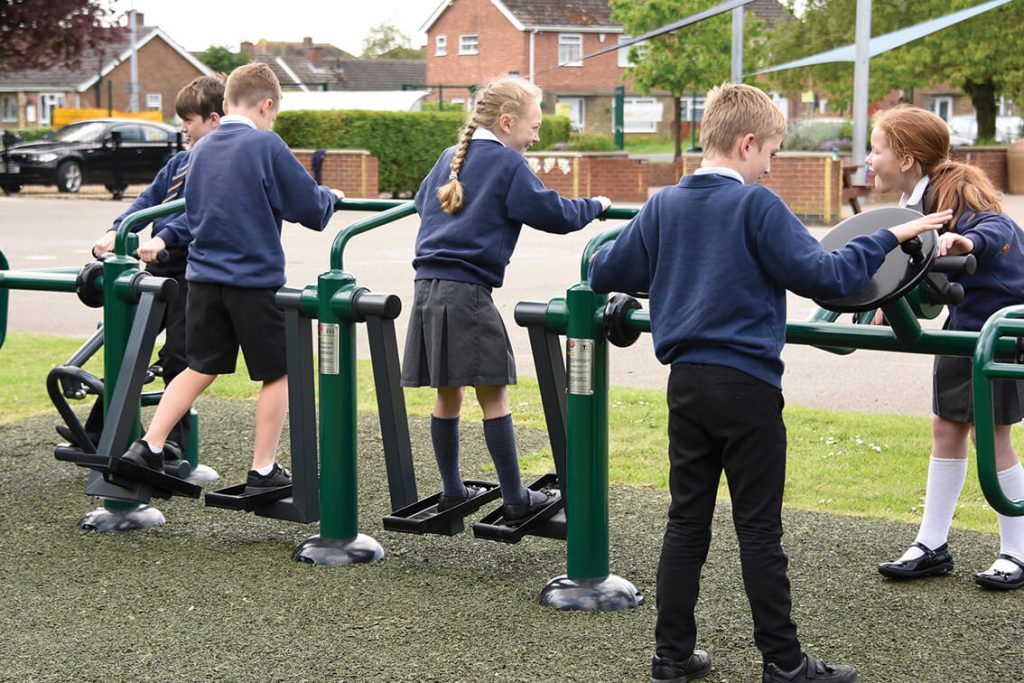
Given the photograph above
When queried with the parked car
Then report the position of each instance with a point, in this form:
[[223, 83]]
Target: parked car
[[90, 152]]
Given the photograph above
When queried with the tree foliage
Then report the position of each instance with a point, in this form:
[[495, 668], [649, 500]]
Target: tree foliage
[[221, 59], [697, 57], [385, 41], [980, 56], [39, 35]]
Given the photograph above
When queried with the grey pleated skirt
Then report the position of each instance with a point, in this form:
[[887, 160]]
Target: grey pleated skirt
[[456, 338], [952, 396]]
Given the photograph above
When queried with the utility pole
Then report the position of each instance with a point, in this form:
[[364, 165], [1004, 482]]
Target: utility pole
[[860, 87], [737, 45]]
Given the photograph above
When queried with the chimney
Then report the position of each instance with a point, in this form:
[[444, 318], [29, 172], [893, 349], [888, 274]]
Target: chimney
[[247, 48], [315, 55], [307, 42]]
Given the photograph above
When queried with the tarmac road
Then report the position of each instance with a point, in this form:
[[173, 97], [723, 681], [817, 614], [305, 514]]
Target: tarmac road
[[41, 232]]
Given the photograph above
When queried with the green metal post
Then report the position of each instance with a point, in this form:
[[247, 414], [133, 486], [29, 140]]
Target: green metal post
[[619, 117]]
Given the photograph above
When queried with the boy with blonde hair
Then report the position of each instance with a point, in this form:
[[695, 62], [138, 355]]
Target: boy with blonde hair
[[242, 182], [717, 254]]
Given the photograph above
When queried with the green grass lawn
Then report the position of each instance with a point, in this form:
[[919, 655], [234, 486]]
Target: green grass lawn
[[848, 463]]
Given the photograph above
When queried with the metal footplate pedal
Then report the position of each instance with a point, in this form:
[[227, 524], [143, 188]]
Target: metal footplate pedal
[[422, 516], [235, 497], [164, 485], [543, 522]]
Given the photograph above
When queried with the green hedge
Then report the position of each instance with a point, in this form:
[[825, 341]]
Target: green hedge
[[406, 144]]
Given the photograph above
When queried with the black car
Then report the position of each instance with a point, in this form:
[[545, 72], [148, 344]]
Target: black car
[[114, 152]]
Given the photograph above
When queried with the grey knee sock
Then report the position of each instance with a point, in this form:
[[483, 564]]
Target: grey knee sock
[[444, 434], [500, 435]]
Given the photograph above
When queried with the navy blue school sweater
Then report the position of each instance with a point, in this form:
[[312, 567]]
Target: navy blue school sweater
[[241, 184], [501, 193], [717, 257], [999, 279], [169, 184]]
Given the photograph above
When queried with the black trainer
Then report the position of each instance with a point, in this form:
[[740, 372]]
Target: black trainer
[[140, 455], [931, 563], [697, 665], [278, 477], [513, 513], [448, 502], [810, 669]]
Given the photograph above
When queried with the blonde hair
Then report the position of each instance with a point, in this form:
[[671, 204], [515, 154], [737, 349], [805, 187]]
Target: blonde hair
[[506, 95], [250, 84], [924, 137], [733, 110]]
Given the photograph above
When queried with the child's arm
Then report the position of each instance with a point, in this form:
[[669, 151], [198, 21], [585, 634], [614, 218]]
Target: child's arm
[[294, 195], [987, 237], [530, 203], [153, 195], [625, 264]]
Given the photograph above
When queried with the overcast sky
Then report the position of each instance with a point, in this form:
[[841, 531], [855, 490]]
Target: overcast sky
[[198, 24]]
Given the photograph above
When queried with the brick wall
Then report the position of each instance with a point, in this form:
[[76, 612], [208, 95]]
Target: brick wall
[[575, 174], [992, 160], [353, 171], [161, 70]]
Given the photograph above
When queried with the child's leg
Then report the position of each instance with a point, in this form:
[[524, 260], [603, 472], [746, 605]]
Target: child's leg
[[1011, 479], [444, 435], [271, 408], [500, 435], [177, 399], [947, 472]]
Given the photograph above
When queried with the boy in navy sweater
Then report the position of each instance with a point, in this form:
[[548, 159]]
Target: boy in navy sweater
[[717, 254], [200, 106], [242, 182]]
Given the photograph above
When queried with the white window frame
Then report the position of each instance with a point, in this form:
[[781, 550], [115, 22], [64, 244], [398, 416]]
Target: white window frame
[[566, 42], [154, 101], [469, 44], [440, 45], [936, 106], [686, 101], [48, 101], [622, 55], [628, 126], [4, 99]]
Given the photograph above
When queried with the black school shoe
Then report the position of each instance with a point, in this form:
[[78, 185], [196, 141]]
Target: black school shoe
[[276, 478], [810, 669], [1000, 580], [932, 563], [697, 665], [513, 513], [448, 502], [139, 454]]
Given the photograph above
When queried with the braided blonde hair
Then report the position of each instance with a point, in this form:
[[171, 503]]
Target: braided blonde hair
[[506, 95]]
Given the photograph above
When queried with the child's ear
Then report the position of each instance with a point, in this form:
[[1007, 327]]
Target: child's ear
[[746, 144], [505, 122], [907, 163]]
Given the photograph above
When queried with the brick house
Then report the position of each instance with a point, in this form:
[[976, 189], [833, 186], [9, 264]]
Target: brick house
[[470, 41], [309, 66], [101, 78]]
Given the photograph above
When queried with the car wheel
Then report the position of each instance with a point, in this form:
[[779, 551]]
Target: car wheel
[[12, 188], [69, 176]]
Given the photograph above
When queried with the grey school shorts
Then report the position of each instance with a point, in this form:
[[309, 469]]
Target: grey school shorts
[[456, 338], [952, 397]]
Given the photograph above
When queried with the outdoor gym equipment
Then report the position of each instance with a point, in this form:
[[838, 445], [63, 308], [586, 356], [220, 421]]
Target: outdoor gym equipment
[[911, 282], [133, 303]]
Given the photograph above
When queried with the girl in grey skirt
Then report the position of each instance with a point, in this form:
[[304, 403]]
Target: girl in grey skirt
[[472, 207], [909, 152]]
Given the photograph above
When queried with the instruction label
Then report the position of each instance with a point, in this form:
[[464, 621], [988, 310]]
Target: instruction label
[[329, 335], [580, 361]]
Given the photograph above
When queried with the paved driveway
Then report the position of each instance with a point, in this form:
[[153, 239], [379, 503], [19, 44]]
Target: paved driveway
[[41, 232]]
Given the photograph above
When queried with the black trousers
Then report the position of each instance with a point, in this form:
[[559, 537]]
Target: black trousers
[[721, 419]]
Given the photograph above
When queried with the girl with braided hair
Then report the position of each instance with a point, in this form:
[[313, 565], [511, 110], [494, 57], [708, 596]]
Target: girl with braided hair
[[910, 153], [472, 207]]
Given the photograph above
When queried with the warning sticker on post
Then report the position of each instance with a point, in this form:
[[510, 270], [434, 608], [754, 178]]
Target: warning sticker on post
[[580, 362], [328, 334]]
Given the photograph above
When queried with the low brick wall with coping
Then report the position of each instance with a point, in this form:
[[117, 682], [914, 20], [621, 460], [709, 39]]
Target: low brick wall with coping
[[353, 171]]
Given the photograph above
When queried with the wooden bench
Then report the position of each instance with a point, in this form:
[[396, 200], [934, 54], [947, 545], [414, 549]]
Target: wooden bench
[[853, 191]]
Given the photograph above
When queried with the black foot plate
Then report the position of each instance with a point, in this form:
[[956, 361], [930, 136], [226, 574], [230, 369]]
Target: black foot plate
[[422, 516], [493, 526], [235, 497], [164, 486]]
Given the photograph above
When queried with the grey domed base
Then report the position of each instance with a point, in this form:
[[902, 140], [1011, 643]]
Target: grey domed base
[[358, 550], [610, 594], [121, 519]]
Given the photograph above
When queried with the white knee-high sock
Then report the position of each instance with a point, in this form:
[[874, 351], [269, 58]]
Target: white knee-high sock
[[1011, 529], [946, 478]]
